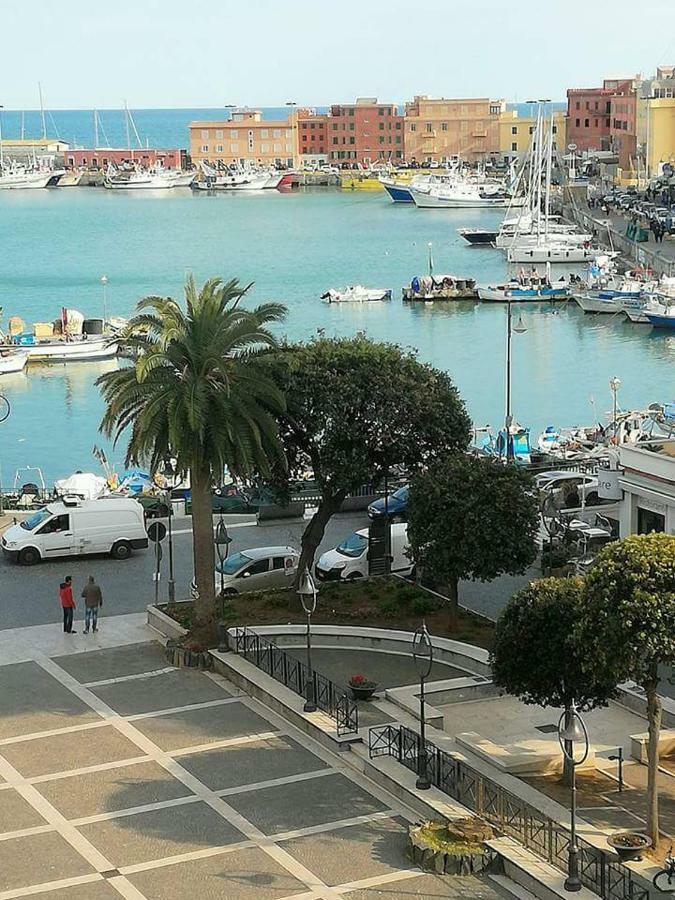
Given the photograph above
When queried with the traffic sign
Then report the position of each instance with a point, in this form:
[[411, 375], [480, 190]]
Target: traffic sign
[[157, 532]]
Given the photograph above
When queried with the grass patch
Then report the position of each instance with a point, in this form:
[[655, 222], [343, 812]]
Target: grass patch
[[383, 602]]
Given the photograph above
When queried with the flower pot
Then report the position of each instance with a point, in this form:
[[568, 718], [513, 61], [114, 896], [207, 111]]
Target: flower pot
[[363, 693], [628, 845]]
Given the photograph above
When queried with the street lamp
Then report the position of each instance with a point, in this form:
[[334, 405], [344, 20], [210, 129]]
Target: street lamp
[[307, 592], [169, 473], [571, 731], [104, 282], [423, 657], [614, 385], [222, 540], [518, 328]]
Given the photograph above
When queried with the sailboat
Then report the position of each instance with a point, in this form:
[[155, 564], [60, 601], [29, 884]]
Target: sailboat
[[15, 175]]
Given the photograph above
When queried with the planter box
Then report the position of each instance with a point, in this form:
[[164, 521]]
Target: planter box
[[165, 624], [185, 658]]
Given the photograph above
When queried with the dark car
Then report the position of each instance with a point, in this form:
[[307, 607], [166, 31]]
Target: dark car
[[397, 504]]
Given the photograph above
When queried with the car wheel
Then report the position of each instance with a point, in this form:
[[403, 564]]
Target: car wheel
[[121, 550], [229, 592], [353, 576], [29, 556]]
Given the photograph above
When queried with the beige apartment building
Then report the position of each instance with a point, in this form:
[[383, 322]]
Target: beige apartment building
[[515, 133], [246, 138], [439, 129]]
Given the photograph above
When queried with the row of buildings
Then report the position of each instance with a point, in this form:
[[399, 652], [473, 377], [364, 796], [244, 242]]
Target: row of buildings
[[631, 119], [367, 132]]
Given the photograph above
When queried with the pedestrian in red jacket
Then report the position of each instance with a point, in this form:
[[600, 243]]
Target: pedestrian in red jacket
[[68, 604]]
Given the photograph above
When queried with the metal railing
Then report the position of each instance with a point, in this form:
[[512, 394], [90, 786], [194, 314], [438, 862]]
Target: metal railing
[[509, 814], [294, 674]]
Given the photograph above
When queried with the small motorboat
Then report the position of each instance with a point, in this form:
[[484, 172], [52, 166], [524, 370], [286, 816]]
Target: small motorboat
[[478, 237], [518, 292], [356, 294], [12, 360]]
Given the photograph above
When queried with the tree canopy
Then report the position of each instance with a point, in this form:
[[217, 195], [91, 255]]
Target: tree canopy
[[357, 408], [536, 654], [472, 518]]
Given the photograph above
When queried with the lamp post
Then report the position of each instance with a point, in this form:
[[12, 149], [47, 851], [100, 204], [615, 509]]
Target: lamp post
[[307, 592], [518, 328], [222, 540], [104, 282], [614, 385], [571, 731], [423, 657], [170, 473]]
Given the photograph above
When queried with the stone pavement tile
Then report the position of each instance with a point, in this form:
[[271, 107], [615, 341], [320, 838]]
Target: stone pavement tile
[[305, 803], [114, 662], [16, 813], [129, 840], [430, 886], [202, 726], [264, 760], [612, 818], [241, 875], [353, 853], [111, 790], [177, 688], [93, 890], [38, 859], [75, 750], [31, 700]]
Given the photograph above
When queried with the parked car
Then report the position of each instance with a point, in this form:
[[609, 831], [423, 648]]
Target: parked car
[[397, 504], [258, 569], [349, 560], [71, 527], [572, 487]]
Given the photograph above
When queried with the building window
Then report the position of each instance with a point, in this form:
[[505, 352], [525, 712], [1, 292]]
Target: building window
[[381, 126], [335, 140], [335, 128], [587, 123], [219, 148], [204, 133], [381, 140], [350, 111], [555, 129], [277, 148], [398, 138], [577, 122], [429, 127], [205, 149], [313, 125], [413, 126], [234, 134], [531, 129], [289, 132], [352, 126], [595, 122], [380, 111], [84, 160], [514, 129], [514, 146], [234, 148], [289, 148], [577, 105], [264, 134], [276, 132], [495, 110], [398, 126], [444, 126], [219, 134], [353, 140]]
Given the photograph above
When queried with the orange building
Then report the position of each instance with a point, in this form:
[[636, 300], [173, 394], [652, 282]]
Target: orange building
[[246, 138], [439, 129], [312, 134], [364, 132]]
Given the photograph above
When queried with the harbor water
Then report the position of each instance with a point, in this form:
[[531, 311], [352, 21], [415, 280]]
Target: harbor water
[[56, 244]]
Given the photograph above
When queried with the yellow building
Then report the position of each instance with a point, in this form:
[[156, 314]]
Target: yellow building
[[440, 129], [659, 134], [246, 138], [515, 133]]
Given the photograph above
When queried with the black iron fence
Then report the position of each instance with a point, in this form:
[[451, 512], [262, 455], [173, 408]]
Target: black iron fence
[[507, 812], [294, 674]]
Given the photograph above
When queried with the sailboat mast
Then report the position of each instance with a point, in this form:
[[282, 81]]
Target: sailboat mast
[[2, 155], [23, 125], [549, 165], [540, 167], [126, 119], [95, 130], [42, 113]]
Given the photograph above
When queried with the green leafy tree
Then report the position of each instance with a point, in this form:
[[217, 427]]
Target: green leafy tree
[[472, 517], [537, 655], [629, 628], [198, 391], [357, 409]]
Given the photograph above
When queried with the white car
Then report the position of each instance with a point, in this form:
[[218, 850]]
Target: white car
[[349, 560], [560, 482], [259, 569]]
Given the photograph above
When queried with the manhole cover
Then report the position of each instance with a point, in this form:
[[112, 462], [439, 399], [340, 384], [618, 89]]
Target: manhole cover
[[546, 729]]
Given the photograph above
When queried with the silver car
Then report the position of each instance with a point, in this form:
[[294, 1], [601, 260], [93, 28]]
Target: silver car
[[259, 569]]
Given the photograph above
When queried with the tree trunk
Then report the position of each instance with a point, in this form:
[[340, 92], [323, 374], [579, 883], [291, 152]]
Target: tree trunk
[[654, 716], [315, 530], [203, 551]]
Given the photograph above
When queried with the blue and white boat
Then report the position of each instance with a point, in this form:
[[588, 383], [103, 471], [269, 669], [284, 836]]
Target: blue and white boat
[[515, 292], [660, 313], [397, 190]]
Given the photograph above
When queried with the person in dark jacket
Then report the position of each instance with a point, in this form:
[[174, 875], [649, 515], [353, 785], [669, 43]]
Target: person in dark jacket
[[67, 603], [93, 599]]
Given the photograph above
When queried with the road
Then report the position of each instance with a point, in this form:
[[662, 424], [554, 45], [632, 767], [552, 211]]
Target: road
[[29, 596]]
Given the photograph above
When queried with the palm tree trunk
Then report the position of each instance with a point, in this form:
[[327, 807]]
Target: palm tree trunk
[[203, 550], [315, 530], [654, 717]]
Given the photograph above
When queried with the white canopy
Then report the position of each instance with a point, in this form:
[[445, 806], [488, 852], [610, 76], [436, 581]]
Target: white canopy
[[82, 484]]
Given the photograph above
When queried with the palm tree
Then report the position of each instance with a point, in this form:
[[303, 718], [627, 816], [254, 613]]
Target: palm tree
[[198, 392]]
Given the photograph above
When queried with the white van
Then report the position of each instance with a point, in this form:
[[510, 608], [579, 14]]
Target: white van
[[349, 560], [72, 527]]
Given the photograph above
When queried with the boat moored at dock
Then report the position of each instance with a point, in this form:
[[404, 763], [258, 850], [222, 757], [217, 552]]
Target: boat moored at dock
[[518, 292], [356, 293], [427, 288], [12, 360]]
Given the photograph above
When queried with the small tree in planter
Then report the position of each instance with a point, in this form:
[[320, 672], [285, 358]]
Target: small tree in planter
[[628, 628]]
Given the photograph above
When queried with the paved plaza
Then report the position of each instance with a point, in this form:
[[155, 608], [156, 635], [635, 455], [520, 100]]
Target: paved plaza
[[120, 776]]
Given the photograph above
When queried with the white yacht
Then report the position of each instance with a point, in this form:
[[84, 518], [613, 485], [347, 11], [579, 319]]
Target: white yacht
[[154, 178], [465, 195], [16, 176]]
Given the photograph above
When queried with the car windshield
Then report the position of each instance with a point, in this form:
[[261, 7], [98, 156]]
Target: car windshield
[[32, 522], [354, 545], [233, 563], [401, 493]]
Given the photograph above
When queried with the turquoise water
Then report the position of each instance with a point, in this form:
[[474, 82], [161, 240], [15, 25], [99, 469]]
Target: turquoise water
[[55, 245]]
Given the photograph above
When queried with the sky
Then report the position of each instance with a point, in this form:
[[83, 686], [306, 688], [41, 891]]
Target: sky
[[268, 52]]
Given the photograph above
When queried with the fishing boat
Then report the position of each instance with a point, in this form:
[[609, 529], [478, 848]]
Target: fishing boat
[[518, 292], [356, 294], [82, 349], [71, 338], [237, 179], [154, 178], [428, 288], [12, 360], [15, 176], [466, 195], [660, 313]]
